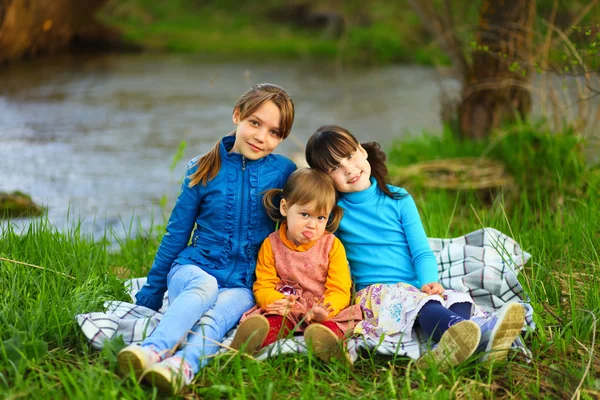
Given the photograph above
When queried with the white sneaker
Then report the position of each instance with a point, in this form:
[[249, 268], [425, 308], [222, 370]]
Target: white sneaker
[[456, 345], [137, 358], [169, 376], [500, 331]]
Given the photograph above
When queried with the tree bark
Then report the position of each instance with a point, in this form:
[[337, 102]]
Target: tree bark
[[496, 85], [31, 27]]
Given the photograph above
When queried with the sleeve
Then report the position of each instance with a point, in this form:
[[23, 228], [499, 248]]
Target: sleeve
[[338, 283], [266, 277], [178, 231], [422, 256]]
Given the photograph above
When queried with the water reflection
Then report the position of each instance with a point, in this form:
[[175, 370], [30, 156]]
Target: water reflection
[[95, 136]]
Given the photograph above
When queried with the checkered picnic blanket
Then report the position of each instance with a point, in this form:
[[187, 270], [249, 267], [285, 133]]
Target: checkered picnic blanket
[[484, 263]]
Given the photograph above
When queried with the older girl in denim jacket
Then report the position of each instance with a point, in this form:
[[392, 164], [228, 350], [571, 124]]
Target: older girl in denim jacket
[[210, 277]]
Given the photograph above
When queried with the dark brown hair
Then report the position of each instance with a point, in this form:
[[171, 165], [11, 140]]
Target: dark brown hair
[[330, 143], [305, 186], [210, 163]]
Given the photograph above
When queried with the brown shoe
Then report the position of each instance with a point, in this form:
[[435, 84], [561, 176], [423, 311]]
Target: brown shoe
[[252, 332], [325, 343]]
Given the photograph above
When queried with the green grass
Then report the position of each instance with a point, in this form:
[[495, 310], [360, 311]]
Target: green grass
[[552, 211], [235, 31]]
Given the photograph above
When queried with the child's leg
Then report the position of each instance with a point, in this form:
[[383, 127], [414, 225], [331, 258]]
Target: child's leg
[[435, 319], [191, 293], [463, 310], [334, 328], [205, 338], [172, 374], [278, 327]]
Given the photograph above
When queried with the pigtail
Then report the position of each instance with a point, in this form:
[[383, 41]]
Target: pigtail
[[334, 219], [271, 201], [209, 165], [377, 159]]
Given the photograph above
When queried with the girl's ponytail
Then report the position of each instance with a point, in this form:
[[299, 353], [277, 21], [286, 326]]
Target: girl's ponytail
[[208, 166], [334, 219], [271, 200]]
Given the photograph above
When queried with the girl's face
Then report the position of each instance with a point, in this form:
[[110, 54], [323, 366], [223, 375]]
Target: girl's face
[[258, 134], [304, 223], [352, 173]]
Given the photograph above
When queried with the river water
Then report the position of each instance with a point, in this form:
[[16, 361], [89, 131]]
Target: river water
[[93, 137]]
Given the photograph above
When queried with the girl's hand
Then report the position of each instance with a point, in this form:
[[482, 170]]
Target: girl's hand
[[319, 311], [282, 306], [432, 288]]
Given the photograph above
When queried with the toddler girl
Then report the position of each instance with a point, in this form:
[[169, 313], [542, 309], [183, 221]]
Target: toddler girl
[[302, 276]]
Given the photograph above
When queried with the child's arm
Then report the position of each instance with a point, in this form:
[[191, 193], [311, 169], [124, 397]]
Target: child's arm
[[266, 277], [180, 226], [338, 283], [422, 256]]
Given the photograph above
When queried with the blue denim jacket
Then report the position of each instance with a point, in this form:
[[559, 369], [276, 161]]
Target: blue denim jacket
[[227, 218]]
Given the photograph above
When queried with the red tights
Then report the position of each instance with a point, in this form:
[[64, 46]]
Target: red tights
[[278, 327]]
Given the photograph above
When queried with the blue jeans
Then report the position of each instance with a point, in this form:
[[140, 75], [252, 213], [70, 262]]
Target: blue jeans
[[195, 296]]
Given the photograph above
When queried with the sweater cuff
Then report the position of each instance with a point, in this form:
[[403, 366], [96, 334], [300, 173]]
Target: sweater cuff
[[152, 303]]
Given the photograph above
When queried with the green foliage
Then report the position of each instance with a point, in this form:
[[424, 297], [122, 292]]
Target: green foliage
[[555, 217]]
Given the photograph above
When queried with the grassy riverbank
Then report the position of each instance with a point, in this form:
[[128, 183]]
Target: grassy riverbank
[[256, 30], [354, 32], [552, 210]]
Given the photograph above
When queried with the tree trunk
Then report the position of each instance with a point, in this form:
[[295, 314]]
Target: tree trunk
[[495, 87], [31, 27]]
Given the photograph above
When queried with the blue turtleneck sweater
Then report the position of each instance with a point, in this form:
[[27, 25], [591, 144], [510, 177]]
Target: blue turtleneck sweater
[[384, 239]]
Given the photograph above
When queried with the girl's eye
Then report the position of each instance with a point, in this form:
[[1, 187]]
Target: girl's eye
[[322, 218], [333, 169], [350, 156], [305, 215], [254, 123], [275, 133]]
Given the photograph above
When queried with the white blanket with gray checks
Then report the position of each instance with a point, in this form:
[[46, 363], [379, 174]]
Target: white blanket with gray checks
[[484, 263]]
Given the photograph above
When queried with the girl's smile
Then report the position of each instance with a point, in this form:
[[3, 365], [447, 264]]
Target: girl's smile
[[353, 172], [259, 134], [357, 177]]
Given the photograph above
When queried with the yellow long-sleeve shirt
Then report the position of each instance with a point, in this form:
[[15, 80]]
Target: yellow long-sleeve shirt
[[337, 285]]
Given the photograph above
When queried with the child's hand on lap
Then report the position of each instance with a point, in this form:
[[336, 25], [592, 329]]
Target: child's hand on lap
[[319, 311], [432, 288], [281, 307]]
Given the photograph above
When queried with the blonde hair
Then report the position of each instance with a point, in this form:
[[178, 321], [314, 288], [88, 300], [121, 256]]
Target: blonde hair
[[210, 163], [306, 186]]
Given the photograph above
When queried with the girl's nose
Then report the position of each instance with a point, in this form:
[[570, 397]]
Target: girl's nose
[[260, 135]]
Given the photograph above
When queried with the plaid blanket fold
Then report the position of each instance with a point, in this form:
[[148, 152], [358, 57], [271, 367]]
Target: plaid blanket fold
[[484, 263]]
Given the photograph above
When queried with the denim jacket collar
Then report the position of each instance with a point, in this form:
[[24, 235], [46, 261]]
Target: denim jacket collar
[[235, 158]]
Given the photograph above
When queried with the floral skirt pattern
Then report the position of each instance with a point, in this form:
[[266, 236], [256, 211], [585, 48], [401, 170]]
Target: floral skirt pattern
[[390, 310]]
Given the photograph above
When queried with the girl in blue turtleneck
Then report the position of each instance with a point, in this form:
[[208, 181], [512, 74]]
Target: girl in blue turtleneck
[[391, 262]]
